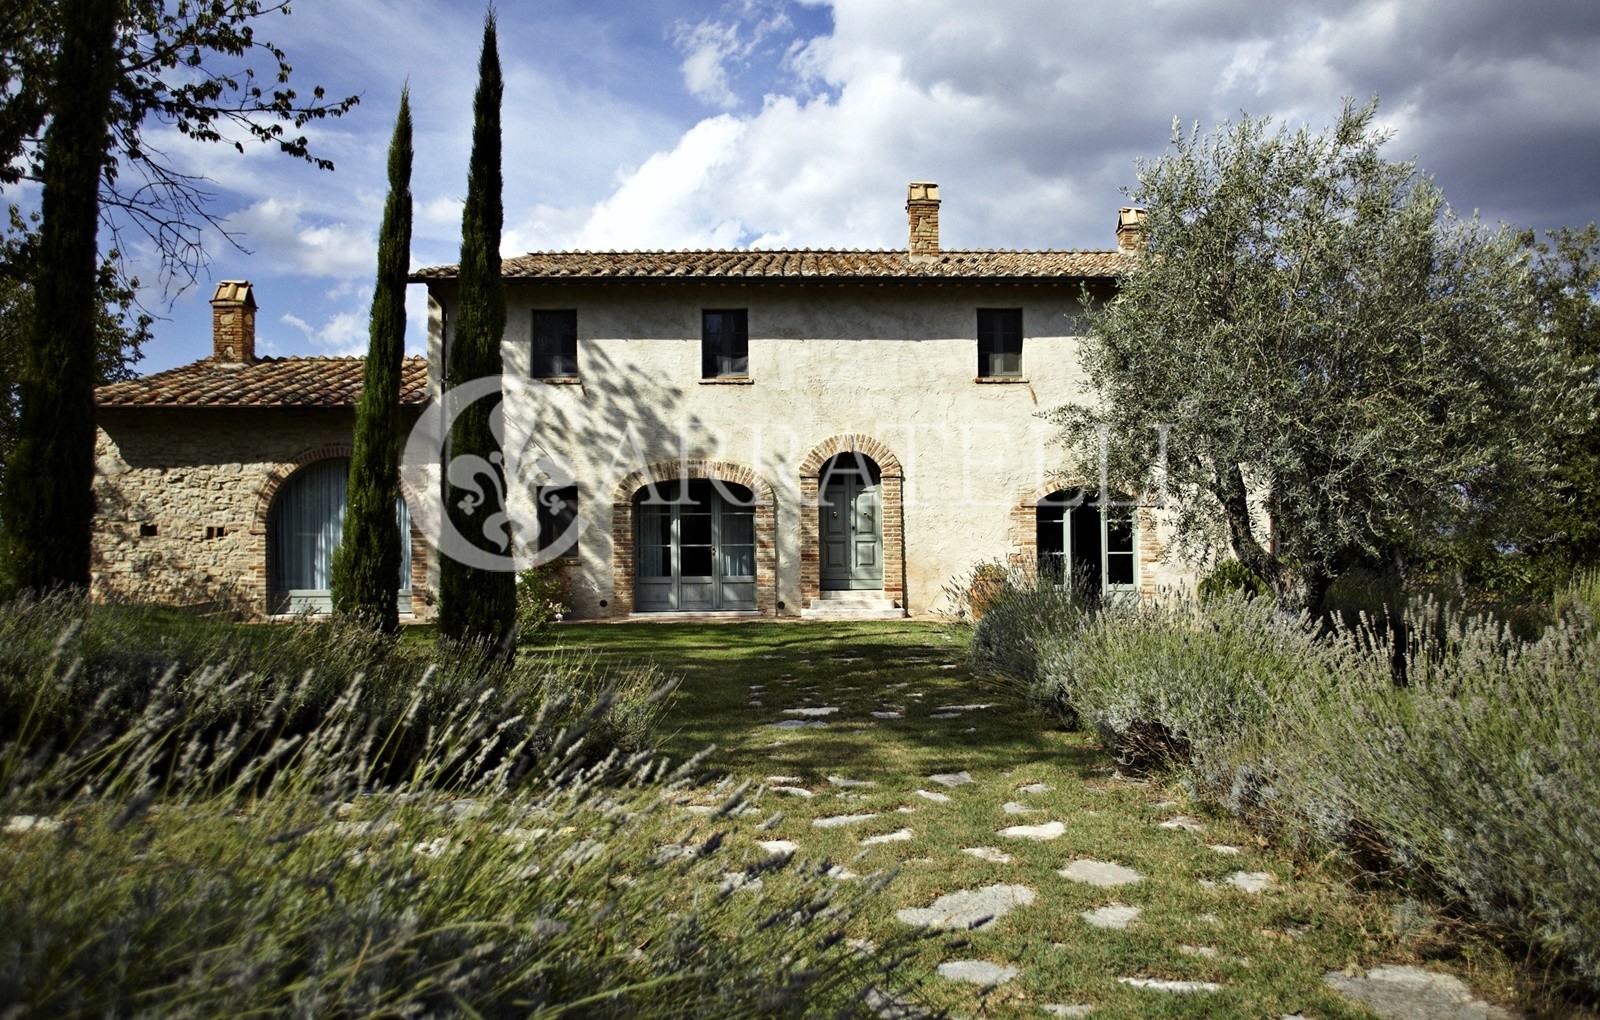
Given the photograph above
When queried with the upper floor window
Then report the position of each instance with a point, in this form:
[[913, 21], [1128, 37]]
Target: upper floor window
[[724, 342], [999, 343], [555, 344], [556, 510]]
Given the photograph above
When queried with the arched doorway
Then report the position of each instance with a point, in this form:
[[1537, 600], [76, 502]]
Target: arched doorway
[[1087, 546], [695, 547], [304, 528], [850, 523]]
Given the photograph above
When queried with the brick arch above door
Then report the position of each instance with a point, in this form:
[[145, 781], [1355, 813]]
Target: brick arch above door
[[662, 472], [892, 477]]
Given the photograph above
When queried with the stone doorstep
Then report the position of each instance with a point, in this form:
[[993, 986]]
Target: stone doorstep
[[852, 605], [852, 613]]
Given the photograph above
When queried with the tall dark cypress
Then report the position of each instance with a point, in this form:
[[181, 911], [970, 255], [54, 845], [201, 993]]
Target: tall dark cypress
[[366, 568], [49, 493], [476, 603]]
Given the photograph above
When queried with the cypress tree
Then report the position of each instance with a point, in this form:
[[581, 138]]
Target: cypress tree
[[475, 603], [366, 567], [49, 493]]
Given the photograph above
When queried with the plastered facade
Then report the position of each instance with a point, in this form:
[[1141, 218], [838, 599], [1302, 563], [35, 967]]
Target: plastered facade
[[888, 368]]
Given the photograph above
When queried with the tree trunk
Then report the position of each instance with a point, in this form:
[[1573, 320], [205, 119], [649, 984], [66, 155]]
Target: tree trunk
[[48, 518], [1261, 561]]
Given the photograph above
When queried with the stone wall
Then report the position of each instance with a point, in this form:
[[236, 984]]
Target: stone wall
[[183, 497]]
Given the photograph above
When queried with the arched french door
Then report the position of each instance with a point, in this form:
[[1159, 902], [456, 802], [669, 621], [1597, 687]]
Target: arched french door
[[1086, 546], [695, 547], [304, 528], [850, 523]]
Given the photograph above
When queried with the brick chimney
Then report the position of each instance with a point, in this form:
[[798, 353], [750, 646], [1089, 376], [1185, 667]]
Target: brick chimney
[[233, 323], [1130, 228], [922, 208]]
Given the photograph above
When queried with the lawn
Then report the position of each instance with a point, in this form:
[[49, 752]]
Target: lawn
[[872, 711]]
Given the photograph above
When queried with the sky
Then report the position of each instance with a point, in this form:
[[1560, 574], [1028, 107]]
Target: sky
[[798, 123]]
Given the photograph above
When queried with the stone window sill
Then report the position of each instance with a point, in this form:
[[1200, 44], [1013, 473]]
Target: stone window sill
[[729, 380], [1000, 380], [559, 380]]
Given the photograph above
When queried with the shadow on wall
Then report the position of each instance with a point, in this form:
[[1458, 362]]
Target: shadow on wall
[[131, 566]]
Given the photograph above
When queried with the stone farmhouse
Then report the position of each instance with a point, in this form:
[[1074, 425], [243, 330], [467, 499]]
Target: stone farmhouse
[[763, 433]]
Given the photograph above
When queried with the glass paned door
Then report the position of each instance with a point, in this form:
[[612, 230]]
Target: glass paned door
[[695, 548]]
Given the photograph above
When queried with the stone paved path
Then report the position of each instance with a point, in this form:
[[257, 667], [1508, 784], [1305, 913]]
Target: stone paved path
[[1075, 890]]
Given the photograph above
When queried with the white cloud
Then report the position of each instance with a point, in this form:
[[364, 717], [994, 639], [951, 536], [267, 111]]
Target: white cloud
[[344, 333], [327, 249], [1031, 115], [707, 48]]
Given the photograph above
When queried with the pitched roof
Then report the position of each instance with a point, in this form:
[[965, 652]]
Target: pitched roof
[[267, 382], [802, 264]]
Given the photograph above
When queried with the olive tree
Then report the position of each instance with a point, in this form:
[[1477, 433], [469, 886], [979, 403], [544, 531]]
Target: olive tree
[[1332, 368]]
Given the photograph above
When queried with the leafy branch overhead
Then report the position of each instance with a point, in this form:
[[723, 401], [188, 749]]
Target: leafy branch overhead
[[192, 67]]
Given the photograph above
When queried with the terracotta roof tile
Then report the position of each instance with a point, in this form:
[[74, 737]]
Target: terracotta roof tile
[[267, 382], [801, 264]]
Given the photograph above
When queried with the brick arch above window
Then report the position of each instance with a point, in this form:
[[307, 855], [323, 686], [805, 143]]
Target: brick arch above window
[[280, 475], [663, 472]]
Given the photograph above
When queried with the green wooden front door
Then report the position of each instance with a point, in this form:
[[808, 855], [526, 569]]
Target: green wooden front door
[[851, 529]]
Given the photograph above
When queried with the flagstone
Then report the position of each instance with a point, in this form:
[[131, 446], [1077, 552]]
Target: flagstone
[[1011, 807], [1250, 881], [987, 853], [835, 821], [977, 972], [1175, 987], [1099, 873], [1411, 993], [1111, 917], [968, 908], [899, 836], [953, 779], [937, 798], [1049, 830], [1185, 823], [841, 781], [779, 846]]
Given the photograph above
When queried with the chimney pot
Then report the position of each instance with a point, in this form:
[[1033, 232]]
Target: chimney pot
[[922, 209], [233, 323], [1130, 228]]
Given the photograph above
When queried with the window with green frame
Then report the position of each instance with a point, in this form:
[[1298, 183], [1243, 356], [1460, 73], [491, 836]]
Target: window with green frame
[[1087, 546]]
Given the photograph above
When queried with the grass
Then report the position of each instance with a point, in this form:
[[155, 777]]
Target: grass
[[217, 838], [1269, 951]]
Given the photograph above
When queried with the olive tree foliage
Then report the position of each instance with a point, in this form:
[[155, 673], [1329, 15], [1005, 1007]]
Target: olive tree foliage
[[1313, 339], [1567, 287], [183, 67]]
